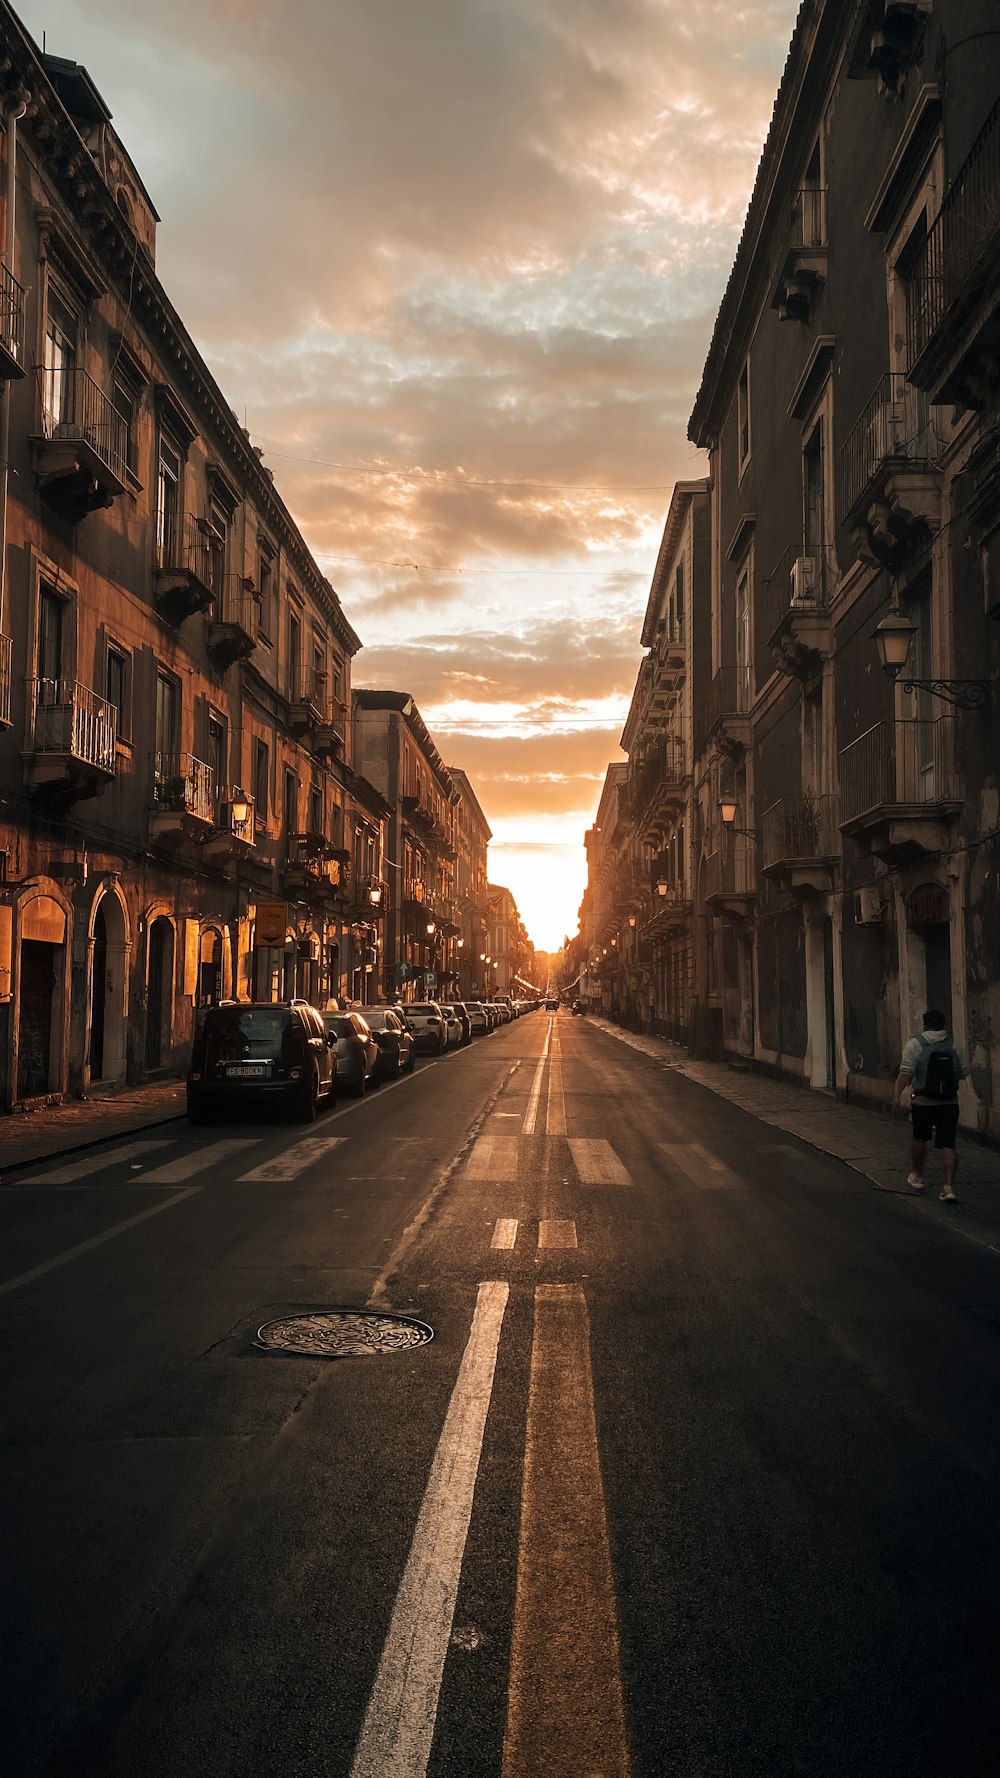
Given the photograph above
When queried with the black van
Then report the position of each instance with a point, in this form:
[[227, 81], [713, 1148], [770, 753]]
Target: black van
[[246, 1053]]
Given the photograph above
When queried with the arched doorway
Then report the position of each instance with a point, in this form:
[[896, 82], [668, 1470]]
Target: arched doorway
[[210, 969], [98, 994], [159, 991], [40, 992], [108, 989]]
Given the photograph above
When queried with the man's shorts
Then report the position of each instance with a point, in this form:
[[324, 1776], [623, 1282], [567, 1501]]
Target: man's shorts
[[939, 1121]]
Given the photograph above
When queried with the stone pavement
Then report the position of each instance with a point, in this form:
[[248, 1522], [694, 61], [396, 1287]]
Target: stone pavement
[[874, 1144], [27, 1136]]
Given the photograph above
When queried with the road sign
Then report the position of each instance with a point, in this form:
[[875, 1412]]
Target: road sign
[[403, 971], [272, 922], [431, 981]]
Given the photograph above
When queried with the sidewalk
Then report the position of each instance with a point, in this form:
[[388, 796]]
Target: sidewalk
[[876, 1146], [27, 1136]]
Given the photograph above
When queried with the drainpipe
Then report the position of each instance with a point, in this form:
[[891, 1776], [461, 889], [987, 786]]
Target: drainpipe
[[16, 109]]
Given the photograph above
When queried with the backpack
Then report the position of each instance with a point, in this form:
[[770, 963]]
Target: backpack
[[940, 1080]]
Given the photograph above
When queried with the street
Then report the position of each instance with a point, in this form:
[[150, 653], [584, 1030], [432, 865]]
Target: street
[[696, 1479]]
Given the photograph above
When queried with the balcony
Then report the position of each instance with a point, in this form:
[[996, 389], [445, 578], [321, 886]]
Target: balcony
[[81, 455], [184, 575], [801, 845], [423, 820], [5, 681], [415, 894], [184, 799], [371, 897], [890, 493], [794, 609], [71, 751], [668, 666], [308, 703], [953, 290], [233, 838], [725, 715], [11, 327], [729, 876], [898, 794], [669, 913], [311, 870], [232, 629], [803, 270], [658, 789]]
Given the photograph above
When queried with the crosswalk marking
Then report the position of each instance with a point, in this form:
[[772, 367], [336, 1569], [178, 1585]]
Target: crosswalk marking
[[198, 1160], [504, 1232], [92, 1163], [557, 1233], [283, 1167], [493, 1157], [701, 1166], [596, 1161]]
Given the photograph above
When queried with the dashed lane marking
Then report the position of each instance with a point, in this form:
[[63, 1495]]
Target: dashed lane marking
[[557, 1233], [493, 1157], [398, 1728], [294, 1161], [596, 1162], [504, 1232], [531, 1115], [555, 1108], [71, 1253]]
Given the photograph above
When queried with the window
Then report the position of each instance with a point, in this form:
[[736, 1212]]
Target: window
[[218, 547], [679, 601], [812, 203], [167, 720], [124, 402], [261, 780], [168, 501], [218, 752], [60, 360], [743, 674], [265, 595], [291, 803], [116, 688], [51, 633], [743, 416], [315, 809], [814, 492], [294, 648]]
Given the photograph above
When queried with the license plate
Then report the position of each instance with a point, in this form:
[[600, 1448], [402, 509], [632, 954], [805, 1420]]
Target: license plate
[[246, 1071]]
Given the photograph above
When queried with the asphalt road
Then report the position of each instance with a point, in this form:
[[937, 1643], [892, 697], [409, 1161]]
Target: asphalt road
[[698, 1477]]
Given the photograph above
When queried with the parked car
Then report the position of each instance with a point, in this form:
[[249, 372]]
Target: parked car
[[578, 1008], [478, 1020], [426, 1021], [502, 1012], [462, 1013], [453, 1025], [395, 1042], [249, 1053], [355, 1050]]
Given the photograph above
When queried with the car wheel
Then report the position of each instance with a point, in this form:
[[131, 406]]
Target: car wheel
[[411, 1064], [308, 1103], [361, 1084]]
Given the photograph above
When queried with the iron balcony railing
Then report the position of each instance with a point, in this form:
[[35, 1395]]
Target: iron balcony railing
[[235, 603], [664, 764], [896, 763], [11, 315], [894, 431], [414, 889], [5, 679], [69, 718], [73, 407], [728, 694], [311, 689], [957, 241], [809, 216], [185, 785], [189, 547], [730, 867], [799, 827], [800, 581]]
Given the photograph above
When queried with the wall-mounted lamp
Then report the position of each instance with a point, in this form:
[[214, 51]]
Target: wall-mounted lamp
[[727, 809], [459, 942], [431, 928], [375, 894], [631, 921], [893, 638], [662, 886], [239, 806]]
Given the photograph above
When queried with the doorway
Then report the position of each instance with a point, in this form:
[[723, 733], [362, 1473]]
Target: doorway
[[158, 991], [98, 995], [34, 1035], [937, 961]]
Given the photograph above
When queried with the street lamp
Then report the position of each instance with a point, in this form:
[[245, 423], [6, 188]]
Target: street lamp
[[375, 894], [662, 886], [431, 928], [893, 638], [727, 809], [239, 806], [631, 920]]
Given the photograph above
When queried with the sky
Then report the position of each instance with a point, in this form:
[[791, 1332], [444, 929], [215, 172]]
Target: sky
[[457, 264]]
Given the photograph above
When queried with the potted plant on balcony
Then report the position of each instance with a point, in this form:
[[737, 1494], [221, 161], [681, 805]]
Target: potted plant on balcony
[[171, 793]]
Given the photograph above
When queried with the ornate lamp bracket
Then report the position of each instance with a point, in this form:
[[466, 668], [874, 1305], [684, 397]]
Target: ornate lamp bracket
[[965, 694]]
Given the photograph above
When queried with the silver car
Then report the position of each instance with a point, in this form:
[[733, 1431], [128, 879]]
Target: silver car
[[426, 1020]]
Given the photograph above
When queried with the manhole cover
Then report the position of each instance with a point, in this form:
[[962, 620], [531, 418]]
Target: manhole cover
[[344, 1333]]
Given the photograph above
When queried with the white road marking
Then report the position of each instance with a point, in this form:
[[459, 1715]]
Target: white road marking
[[528, 1127], [555, 1108], [398, 1729], [596, 1162], [556, 1233], [199, 1160], [493, 1157], [92, 1163], [63, 1259], [294, 1161], [504, 1232], [701, 1166]]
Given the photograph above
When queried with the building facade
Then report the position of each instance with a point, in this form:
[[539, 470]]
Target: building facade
[[472, 837], [177, 822]]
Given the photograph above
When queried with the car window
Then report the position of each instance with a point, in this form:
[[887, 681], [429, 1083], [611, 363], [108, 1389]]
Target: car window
[[362, 1029], [241, 1033], [377, 1021], [341, 1027]]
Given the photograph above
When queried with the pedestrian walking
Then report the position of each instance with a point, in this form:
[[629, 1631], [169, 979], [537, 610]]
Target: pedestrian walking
[[932, 1067]]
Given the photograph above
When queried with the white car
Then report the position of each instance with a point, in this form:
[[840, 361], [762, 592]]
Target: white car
[[452, 1025], [426, 1020]]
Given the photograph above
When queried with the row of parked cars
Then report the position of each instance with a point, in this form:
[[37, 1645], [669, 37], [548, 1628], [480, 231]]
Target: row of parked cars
[[248, 1054]]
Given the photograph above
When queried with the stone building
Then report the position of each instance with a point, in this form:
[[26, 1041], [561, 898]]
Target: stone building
[[176, 817], [472, 837]]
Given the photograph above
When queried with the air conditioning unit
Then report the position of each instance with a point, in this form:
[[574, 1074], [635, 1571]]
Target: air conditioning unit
[[868, 906], [804, 580]]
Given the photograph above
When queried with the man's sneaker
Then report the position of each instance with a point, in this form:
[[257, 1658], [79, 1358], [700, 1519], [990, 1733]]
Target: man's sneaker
[[915, 1180], [948, 1196]]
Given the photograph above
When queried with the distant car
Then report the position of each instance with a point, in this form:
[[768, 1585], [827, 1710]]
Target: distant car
[[395, 1042], [355, 1049], [452, 1025], [460, 1008], [250, 1054], [551, 1005], [478, 1019], [426, 1021]]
